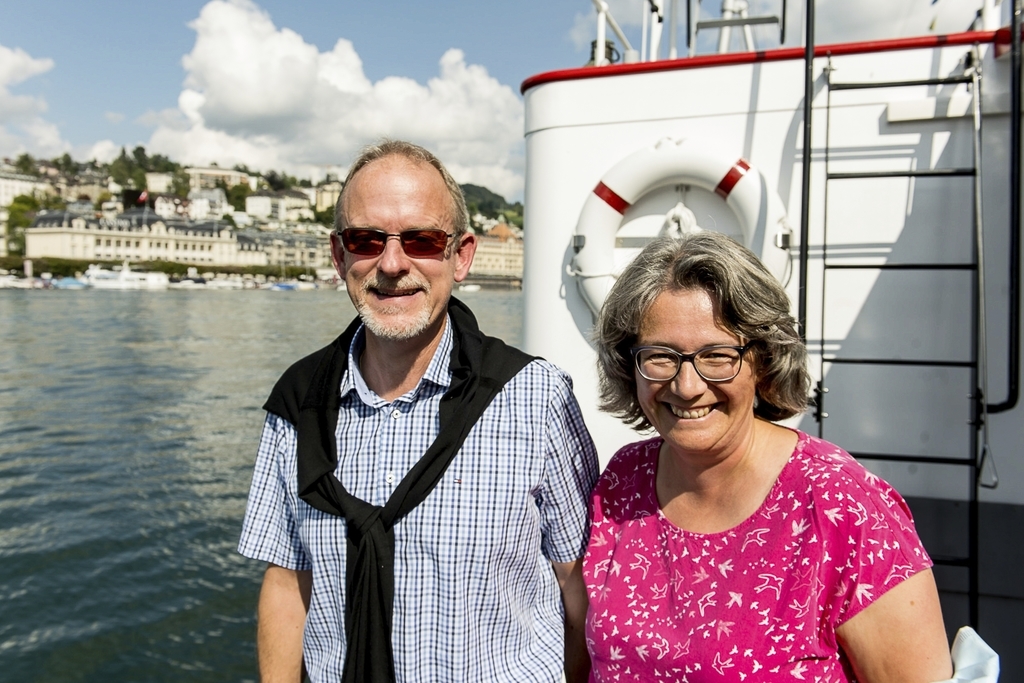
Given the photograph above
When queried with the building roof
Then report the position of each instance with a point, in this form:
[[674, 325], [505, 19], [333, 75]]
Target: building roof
[[8, 175], [502, 232]]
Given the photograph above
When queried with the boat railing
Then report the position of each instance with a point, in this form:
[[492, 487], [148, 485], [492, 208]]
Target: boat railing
[[660, 19], [734, 14], [604, 20]]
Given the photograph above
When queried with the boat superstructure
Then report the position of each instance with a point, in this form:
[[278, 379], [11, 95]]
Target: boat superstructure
[[897, 237]]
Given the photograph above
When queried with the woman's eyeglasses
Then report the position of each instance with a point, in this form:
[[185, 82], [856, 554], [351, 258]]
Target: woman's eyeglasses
[[418, 242], [719, 363]]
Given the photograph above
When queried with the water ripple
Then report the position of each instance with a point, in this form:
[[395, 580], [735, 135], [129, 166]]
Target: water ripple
[[128, 427]]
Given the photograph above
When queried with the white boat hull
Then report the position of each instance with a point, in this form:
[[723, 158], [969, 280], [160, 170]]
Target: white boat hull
[[578, 129]]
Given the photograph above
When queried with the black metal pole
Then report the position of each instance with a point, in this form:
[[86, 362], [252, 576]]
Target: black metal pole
[[1013, 362], [805, 199]]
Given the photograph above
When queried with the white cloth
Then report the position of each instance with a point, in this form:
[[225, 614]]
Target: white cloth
[[973, 660]]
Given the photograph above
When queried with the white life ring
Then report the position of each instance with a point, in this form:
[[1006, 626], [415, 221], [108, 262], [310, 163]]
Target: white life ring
[[760, 212]]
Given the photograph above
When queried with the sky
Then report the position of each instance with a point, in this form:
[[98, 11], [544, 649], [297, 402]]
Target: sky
[[300, 85]]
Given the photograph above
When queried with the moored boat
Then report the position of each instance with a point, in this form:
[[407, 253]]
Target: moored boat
[[68, 283], [125, 278]]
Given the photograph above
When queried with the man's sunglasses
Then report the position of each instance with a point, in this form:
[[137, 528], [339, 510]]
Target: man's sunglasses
[[418, 242]]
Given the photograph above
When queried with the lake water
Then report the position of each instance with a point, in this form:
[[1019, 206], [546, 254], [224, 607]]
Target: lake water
[[128, 429]]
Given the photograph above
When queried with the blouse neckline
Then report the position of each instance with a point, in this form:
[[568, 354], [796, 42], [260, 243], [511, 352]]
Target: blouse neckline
[[651, 455]]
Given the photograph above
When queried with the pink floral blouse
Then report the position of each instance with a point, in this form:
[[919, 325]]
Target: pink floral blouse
[[759, 602]]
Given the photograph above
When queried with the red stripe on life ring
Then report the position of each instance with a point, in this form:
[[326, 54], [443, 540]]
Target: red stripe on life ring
[[610, 198], [738, 170]]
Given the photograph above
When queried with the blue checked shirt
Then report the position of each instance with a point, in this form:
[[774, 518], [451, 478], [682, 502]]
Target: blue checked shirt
[[475, 594]]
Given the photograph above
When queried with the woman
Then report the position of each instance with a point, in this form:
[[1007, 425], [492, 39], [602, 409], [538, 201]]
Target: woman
[[730, 548]]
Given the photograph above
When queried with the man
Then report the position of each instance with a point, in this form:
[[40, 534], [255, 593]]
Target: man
[[420, 489]]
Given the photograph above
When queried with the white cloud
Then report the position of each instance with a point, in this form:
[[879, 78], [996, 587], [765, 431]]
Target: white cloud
[[103, 151], [22, 126], [17, 65], [113, 116], [260, 95]]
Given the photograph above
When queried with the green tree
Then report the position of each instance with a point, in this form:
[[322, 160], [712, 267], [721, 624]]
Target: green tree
[[161, 164], [26, 164], [52, 202], [66, 165], [120, 169], [283, 181], [480, 199], [325, 217], [20, 215], [180, 183], [236, 195], [104, 197], [127, 171], [140, 158]]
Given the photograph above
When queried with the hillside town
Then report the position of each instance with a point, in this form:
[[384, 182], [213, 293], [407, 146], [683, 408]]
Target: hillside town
[[151, 211]]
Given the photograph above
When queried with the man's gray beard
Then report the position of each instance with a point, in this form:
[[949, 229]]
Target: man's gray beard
[[398, 331]]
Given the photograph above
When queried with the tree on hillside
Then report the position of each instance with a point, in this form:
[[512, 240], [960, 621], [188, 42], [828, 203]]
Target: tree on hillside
[[236, 194], [492, 205], [180, 183], [280, 181], [126, 172], [66, 165], [26, 164], [325, 217], [20, 214], [104, 197], [130, 170], [140, 157]]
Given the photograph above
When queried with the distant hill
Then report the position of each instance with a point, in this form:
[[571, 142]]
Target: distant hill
[[480, 199]]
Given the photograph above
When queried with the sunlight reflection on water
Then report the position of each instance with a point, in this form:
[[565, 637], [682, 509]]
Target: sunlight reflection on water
[[128, 428]]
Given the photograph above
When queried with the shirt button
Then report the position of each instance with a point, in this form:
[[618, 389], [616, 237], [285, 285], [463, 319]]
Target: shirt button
[[390, 478], [395, 414]]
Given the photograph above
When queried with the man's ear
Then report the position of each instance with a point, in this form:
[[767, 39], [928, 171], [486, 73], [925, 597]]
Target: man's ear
[[338, 254], [463, 255]]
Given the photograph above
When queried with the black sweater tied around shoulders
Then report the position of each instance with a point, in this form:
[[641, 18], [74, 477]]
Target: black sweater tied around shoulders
[[308, 396]]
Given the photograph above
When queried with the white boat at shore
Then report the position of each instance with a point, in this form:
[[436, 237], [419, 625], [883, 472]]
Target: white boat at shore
[[231, 283], [125, 278], [292, 286], [13, 282]]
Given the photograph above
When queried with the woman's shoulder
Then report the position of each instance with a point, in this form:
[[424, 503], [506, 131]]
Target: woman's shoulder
[[838, 479], [819, 457]]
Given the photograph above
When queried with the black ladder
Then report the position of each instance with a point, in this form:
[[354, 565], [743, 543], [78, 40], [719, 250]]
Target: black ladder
[[972, 462]]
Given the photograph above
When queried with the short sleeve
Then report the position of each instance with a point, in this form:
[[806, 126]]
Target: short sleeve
[[269, 531], [570, 472], [878, 547]]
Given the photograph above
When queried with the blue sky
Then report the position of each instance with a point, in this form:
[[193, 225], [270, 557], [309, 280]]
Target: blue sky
[[125, 57], [300, 86]]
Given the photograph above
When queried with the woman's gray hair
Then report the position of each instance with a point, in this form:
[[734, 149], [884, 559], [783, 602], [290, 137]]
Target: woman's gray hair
[[749, 301], [407, 150]]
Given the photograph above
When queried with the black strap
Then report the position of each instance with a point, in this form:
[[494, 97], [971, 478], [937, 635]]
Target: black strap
[[480, 366]]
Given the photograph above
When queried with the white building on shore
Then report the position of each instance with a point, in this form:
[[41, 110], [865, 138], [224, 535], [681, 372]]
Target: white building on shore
[[139, 235], [499, 254]]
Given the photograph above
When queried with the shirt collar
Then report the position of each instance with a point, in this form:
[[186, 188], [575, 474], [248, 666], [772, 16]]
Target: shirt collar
[[438, 372]]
